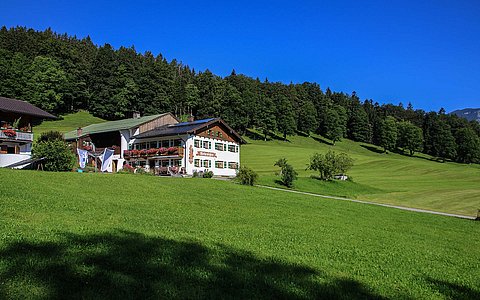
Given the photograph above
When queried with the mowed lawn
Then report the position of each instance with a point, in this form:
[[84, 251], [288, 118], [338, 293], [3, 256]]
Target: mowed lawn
[[418, 181], [90, 236]]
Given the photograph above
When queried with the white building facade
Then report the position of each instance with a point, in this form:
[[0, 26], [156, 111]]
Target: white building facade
[[186, 148]]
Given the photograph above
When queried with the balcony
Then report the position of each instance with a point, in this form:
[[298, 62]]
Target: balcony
[[116, 150], [154, 152], [16, 135]]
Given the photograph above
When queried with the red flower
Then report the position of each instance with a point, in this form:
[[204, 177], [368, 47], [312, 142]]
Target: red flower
[[152, 151], [128, 168], [172, 150], [10, 132], [163, 150]]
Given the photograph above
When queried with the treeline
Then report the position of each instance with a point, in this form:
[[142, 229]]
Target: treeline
[[63, 74]]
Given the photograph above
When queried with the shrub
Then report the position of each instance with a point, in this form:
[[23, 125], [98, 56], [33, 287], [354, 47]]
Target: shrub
[[57, 154], [50, 136], [330, 164], [287, 173], [246, 176], [208, 174], [127, 169], [142, 171]]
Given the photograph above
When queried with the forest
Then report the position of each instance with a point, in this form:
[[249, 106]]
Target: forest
[[63, 74]]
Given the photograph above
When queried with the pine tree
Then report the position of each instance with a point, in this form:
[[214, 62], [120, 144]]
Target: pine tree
[[266, 116], [333, 126], [285, 116], [358, 128]]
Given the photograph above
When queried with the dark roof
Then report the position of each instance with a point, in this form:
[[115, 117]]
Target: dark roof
[[195, 122], [186, 128], [25, 162], [23, 107]]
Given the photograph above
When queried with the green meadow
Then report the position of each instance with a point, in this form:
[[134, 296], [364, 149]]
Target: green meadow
[[419, 181], [90, 236], [67, 123]]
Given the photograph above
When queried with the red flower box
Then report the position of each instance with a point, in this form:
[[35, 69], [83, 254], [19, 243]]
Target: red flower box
[[9, 132]]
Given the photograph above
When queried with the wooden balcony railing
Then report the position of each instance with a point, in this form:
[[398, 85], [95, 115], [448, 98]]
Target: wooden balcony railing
[[170, 151]]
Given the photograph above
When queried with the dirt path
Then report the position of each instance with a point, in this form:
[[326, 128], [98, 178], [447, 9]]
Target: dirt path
[[373, 203]]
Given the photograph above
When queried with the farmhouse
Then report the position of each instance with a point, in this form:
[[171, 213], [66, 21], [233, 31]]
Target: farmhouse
[[17, 118], [163, 145], [115, 135]]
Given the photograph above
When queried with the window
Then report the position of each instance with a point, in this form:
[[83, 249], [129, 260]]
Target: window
[[232, 148], [207, 145], [141, 146], [232, 165], [196, 163], [219, 146], [177, 143], [207, 163], [219, 164], [197, 143], [140, 163], [153, 145]]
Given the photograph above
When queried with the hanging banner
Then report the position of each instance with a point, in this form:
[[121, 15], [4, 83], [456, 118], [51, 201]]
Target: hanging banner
[[82, 157], [106, 159]]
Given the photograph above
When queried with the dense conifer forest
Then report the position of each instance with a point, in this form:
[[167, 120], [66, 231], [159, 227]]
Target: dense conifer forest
[[63, 74]]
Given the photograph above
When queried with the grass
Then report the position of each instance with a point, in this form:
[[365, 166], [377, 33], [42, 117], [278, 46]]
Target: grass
[[126, 236], [68, 123], [392, 178]]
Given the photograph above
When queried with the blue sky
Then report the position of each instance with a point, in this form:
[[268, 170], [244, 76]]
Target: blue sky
[[426, 52]]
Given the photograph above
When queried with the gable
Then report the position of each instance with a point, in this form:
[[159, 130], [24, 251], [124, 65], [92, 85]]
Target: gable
[[166, 119], [219, 132]]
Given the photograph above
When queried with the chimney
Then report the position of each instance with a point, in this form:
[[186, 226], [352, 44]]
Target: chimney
[[79, 131], [136, 114], [190, 118]]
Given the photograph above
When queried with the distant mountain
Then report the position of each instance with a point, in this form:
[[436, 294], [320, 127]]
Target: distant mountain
[[468, 113]]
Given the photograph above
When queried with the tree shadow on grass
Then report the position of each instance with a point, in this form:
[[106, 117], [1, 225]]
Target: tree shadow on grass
[[301, 133], [403, 153], [270, 136], [254, 135], [127, 265], [322, 140], [373, 149], [453, 290]]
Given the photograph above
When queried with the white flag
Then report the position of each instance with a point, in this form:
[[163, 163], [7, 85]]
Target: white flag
[[106, 159], [82, 157]]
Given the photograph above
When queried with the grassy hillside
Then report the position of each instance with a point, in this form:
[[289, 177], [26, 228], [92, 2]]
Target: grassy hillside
[[391, 178], [125, 236], [68, 123]]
